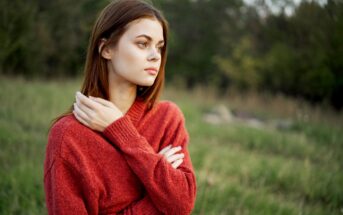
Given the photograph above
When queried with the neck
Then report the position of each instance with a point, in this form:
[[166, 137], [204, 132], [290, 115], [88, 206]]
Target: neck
[[122, 93]]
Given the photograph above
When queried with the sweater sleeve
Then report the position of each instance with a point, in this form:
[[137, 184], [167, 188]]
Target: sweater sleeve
[[143, 206], [66, 192], [171, 190], [67, 189]]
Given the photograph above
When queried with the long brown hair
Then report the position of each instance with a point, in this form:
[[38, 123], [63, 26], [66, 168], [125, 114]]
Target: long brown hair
[[111, 25]]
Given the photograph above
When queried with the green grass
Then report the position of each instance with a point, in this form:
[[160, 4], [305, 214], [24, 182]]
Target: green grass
[[240, 169]]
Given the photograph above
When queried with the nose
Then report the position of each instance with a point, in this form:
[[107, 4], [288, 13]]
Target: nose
[[154, 55]]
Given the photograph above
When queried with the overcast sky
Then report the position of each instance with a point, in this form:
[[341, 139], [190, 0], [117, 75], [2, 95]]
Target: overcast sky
[[275, 7]]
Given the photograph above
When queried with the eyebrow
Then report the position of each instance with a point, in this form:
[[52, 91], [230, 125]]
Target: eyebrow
[[149, 38]]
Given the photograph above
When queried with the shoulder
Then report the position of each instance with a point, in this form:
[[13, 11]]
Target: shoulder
[[63, 127], [66, 135], [169, 106], [170, 109], [67, 142], [174, 119], [170, 112]]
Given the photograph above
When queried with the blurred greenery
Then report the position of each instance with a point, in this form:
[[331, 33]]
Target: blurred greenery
[[240, 169], [245, 56], [220, 43]]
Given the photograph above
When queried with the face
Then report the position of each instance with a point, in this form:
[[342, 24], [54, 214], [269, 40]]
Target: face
[[137, 56]]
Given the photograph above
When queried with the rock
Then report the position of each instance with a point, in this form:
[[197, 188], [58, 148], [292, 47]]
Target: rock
[[219, 114]]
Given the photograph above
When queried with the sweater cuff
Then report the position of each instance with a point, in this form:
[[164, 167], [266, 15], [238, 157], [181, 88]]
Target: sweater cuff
[[121, 131]]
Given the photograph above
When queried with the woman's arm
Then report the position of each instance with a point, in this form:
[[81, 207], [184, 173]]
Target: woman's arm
[[68, 182], [143, 206], [66, 192], [171, 190]]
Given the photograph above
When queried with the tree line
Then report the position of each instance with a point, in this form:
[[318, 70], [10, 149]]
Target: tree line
[[225, 44]]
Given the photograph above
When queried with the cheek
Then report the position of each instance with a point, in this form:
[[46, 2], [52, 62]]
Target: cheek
[[129, 58], [132, 54]]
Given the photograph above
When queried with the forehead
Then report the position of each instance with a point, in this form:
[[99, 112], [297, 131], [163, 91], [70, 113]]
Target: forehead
[[149, 26]]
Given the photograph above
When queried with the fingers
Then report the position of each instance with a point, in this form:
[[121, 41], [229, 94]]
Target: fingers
[[172, 151], [164, 150], [79, 112], [85, 101], [102, 101], [175, 157], [83, 108], [177, 163], [170, 154], [78, 115]]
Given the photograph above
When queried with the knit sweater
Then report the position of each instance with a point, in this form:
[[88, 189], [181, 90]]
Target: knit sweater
[[119, 170]]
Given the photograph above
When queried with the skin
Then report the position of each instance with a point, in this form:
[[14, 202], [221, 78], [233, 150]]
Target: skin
[[126, 63]]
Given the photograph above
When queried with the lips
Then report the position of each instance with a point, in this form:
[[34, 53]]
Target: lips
[[151, 71]]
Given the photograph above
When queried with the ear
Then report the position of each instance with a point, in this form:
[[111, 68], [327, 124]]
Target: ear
[[104, 50]]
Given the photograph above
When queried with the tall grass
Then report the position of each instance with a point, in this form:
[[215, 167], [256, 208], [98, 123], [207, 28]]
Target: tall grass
[[240, 169]]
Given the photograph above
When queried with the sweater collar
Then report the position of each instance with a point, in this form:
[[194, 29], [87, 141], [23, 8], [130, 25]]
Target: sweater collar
[[136, 110]]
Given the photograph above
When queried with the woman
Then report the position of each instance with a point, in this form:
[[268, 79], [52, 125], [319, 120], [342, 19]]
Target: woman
[[119, 150]]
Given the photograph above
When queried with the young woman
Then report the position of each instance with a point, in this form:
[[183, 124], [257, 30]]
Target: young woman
[[119, 150]]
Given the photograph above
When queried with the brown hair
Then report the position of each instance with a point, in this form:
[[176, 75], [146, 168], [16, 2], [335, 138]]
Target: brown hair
[[111, 25]]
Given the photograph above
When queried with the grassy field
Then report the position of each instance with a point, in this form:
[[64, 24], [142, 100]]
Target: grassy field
[[241, 169]]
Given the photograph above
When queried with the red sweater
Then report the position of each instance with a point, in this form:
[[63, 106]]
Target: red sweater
[[119, 171]]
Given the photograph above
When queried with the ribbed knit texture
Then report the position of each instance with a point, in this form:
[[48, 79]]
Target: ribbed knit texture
[[119, 171]]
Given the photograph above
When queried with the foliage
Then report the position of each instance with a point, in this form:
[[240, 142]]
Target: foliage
[[226, 44]]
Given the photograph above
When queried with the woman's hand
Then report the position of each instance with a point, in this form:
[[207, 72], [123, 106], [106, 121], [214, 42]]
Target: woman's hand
[[174, 159], [96, 113]]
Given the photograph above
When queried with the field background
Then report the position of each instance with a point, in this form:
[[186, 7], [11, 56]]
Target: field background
[[253, 153], [289, 163]]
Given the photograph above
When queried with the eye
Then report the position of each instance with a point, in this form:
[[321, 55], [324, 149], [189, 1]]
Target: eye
[[142, 44]]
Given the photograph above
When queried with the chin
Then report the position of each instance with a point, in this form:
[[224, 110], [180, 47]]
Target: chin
[[147, 83]]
